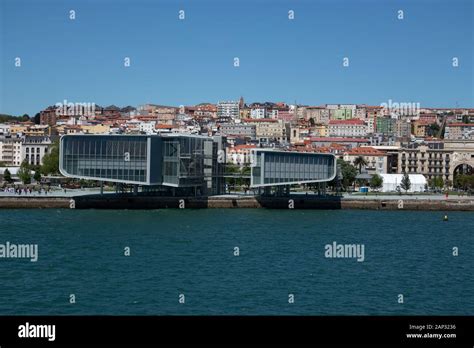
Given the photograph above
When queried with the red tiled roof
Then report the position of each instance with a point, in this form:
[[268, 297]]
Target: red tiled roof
[[260, 120], [354, 121], [163, 126], [460, 125], [365, 150], [423, 122], [344, 140]]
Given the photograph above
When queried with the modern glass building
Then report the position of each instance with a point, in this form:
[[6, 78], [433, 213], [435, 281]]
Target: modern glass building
[[182, 164], [149, 160], [276, 168]]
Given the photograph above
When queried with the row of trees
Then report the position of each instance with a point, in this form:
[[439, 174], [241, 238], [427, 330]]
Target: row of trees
[[349, 173], [464, 182]]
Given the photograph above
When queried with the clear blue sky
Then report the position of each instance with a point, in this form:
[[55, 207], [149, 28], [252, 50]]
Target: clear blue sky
[[186, 62]]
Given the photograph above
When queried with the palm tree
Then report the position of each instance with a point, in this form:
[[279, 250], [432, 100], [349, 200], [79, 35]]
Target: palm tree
[[360, 161]]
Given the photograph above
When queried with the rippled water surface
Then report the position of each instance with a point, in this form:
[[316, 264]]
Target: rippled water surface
[[191, 252]]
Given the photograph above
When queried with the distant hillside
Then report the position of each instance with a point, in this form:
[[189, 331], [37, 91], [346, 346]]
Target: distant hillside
[[10, 118]]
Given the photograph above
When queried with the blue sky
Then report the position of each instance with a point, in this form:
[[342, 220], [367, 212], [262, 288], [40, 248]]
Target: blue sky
[[189, 61]]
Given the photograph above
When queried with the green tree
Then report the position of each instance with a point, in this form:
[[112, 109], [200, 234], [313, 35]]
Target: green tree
[[433, 129], [51, 160], [376, 182], [2, 164], [431, 184], [24, 173], [7, 176], [37, 176], [359, 162], [246, 171], [348, 173], [458, 181], [37, 118], [234, 170], [448, 183], [464, 182], [406, 183], [438, 182]]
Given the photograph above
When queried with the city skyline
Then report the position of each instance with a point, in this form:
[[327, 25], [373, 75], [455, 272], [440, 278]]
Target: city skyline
[[187, 61]]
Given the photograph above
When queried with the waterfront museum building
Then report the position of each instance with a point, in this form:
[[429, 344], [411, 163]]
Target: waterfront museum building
[[178, 164]]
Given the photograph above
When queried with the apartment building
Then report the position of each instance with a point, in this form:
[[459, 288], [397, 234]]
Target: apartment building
[[459, 131], [377, 161], [240, 130], [240, 154], [10, 150], [227, 111], [347, 128], [437, 158], [33, 149], [385, 125], [269, 129]]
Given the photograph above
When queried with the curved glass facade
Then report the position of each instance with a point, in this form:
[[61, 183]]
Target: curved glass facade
[[274, 168], [112, 158]]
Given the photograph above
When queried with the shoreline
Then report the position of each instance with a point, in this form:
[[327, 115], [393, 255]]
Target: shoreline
[[109, 201]]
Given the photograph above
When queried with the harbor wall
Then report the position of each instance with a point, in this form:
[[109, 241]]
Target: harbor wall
[[293, 202]]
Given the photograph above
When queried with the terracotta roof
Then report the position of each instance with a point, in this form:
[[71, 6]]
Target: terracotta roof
[[344, 140], [163, 126], [460, 125], [365, 150], [354, 121], [260, 120], [423, 122]]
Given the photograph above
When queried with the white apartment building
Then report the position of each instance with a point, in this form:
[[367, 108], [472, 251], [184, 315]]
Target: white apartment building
[[10, 150], [147, 127], [228, 110], [4, 129], [15, 149], [347, 128], [33, 149], [258, 113]]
